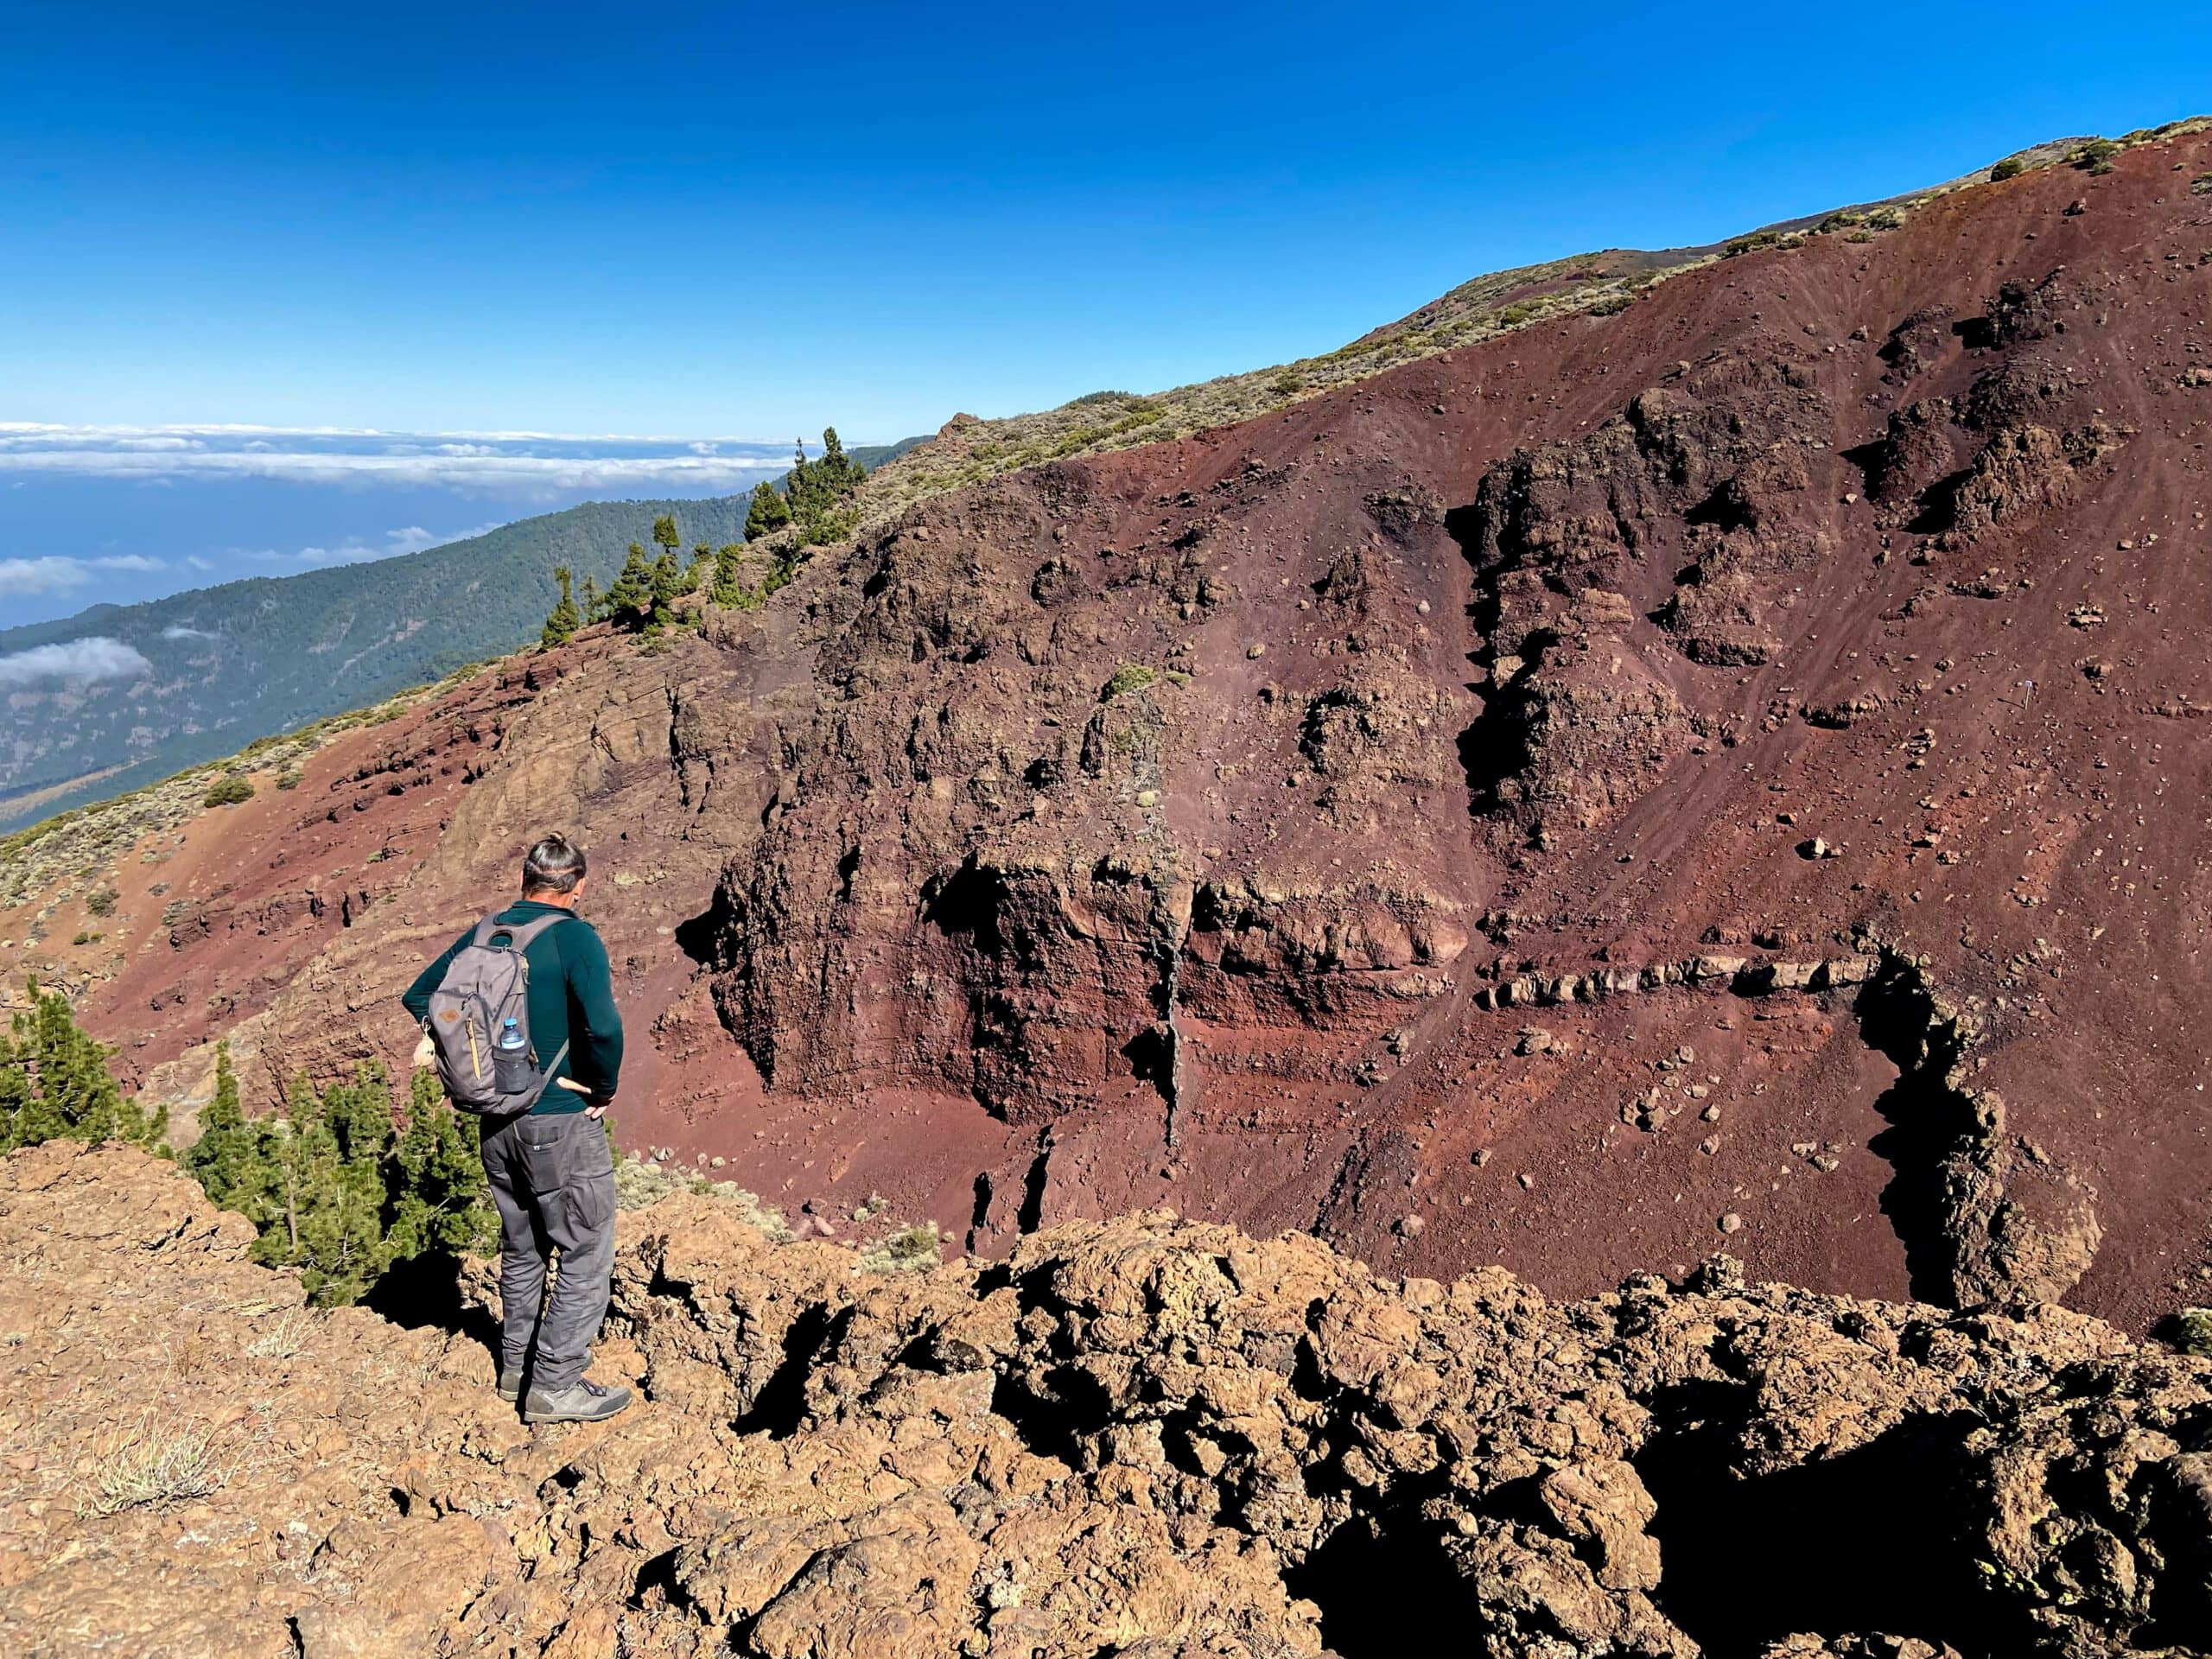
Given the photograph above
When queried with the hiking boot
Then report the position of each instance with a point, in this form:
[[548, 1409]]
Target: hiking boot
[[509, 1386], [586, 1402]]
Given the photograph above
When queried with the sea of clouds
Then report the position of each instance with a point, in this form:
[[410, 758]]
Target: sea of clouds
[[122, 513], [507, 464]]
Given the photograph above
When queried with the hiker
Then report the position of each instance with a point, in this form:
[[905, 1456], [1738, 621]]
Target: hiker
[[527, 981]]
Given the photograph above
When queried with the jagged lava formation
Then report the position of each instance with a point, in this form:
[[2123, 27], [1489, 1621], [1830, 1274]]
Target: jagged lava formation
[[1144, 1438], [1731, 768]]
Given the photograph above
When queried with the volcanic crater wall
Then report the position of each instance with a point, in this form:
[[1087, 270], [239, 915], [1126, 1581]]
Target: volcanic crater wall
[[1173, 826], [1269, 749]]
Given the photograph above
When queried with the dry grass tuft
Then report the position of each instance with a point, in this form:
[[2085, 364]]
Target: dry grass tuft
[[637, 1184], [281, 1338], [151, 1465]]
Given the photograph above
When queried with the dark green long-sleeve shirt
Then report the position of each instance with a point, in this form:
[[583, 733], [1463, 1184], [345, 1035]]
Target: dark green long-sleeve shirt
[[571, 1001]]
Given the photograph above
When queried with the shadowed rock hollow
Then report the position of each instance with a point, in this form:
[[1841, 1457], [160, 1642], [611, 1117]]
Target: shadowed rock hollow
[[1147, 1437]]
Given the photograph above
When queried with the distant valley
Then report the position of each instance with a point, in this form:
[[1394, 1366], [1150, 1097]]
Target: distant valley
[[117, 696]]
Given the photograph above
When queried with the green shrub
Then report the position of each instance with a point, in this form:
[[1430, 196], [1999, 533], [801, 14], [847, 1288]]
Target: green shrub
[[2201, 186], [88, 938], [2095, 156], [101, 902], [228, 790], [1518, 312], [2190, 1331], [289, 779], [1757, 240], [910, 1249], [2010, 168], [1129, 677], [1612, 305]]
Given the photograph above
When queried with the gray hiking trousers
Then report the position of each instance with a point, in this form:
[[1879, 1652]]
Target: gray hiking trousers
[[553, 1178]]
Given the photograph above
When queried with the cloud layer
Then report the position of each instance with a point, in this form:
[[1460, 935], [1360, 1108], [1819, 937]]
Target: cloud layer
[[354, 550], [54, 574], [98, 658], [515, 464]]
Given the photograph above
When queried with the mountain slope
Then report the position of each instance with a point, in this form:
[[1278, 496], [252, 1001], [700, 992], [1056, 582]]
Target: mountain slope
[[229, 664], [1724, 767], [236, 662]]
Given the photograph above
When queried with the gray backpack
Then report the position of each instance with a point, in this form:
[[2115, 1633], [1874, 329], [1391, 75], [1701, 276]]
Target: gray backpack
[[480, 1022]]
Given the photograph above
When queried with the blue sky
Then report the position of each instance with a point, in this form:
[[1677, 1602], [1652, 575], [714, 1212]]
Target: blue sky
[[750, 222]]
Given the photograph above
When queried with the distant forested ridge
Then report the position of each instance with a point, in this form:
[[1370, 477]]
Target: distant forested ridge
[[237, 662]]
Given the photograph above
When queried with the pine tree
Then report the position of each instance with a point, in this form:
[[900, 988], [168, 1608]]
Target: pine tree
[[700, 568], [346, 1252], [223, 1157], [561, 625], [326, 1199], [591, 601], [436, 1196], [360, 1115], [283, 1151], [667, 588], [666, 537], [55, 1082], [818, 490], [728, 589], [341, 1231], [18, 1099], [629, 601], [72, 1070], [330, 1183], [769, 512]]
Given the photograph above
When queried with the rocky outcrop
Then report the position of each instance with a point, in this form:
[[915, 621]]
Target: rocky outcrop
[[1998, 1218], [1142, 1437], [1683, 509]]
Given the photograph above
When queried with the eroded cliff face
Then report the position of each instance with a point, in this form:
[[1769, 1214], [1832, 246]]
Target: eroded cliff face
[[1319, 822], [1758, 619], [1145, 1437]]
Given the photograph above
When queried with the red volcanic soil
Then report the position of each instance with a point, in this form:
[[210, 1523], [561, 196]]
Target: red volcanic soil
[[1730, 772]]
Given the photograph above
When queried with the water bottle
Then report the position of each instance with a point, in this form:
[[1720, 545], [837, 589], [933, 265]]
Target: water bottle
[[511, 1040]]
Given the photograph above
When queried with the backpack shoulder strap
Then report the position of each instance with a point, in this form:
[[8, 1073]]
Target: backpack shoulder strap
[[486, 930], [529, 931]]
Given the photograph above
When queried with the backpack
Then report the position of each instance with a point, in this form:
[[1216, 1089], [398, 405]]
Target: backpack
[[487, 985]]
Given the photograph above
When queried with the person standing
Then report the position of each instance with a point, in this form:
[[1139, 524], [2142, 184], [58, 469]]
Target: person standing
[[550, 1167]]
